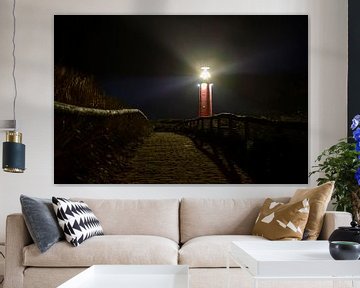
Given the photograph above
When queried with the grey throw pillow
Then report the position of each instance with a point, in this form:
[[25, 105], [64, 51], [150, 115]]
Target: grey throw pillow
[[41, 221]]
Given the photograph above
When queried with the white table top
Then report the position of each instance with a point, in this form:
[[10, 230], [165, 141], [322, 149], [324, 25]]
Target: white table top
[[131, 276], [291, 259]]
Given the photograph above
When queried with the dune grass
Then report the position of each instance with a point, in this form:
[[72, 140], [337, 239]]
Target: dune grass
[[75, 88]]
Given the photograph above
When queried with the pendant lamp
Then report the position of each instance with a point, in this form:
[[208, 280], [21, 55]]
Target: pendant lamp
[[13, 160]]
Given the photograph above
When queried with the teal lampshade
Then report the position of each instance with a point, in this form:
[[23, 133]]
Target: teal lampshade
[[13, 153]]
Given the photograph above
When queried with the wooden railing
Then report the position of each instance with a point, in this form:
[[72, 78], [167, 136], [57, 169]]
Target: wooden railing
[[229, 124], [73, 109]]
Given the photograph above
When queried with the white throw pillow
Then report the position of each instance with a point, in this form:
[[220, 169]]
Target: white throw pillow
[[77, 220]]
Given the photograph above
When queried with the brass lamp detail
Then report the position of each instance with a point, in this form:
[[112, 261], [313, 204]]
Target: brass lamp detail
[[13, 136]]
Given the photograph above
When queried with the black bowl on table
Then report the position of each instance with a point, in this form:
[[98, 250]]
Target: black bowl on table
[[344, 250]]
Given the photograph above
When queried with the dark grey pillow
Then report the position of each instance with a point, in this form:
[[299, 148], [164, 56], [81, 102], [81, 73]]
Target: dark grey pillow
[[41, 221]]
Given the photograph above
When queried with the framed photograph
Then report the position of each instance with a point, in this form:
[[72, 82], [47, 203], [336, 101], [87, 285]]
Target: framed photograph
[[181, 99]]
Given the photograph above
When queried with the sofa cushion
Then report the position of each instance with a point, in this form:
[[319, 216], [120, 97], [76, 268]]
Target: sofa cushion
[[211, 251], [35, 277], [159, 217], [107, 249], [77, 220], [319, 198], [200, 217]]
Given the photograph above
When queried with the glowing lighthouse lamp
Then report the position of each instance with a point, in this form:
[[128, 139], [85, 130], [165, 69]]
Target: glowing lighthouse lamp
[[205, 93]]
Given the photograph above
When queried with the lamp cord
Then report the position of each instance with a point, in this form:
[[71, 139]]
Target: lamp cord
[[14, 60]]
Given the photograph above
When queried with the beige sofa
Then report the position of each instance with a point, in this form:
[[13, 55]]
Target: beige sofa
[[194, 232]]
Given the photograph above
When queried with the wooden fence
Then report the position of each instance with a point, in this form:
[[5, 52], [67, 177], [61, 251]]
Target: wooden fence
[[88, 141], [271, 151]]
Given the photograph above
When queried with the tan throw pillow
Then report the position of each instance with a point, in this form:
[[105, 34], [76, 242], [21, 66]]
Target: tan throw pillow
[[279, 221], [319, 198]]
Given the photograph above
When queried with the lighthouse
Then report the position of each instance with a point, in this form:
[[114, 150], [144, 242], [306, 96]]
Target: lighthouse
[[205, 93]]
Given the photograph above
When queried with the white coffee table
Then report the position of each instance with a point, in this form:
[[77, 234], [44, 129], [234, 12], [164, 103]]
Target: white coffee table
[[297, 260], [131, 276]]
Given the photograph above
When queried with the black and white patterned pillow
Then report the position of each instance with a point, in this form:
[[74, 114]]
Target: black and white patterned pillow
[[77, 220]]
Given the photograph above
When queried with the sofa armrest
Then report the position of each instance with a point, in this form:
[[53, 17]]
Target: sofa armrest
[[332, 220], [17, 237]]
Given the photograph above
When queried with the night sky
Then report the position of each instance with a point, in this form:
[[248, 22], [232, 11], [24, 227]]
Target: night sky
[[259, 64]]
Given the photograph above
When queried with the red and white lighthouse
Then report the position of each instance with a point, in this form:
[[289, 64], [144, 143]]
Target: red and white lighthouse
[[205, 93]]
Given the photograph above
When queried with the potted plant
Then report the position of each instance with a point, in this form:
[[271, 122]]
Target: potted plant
[[341, 163]]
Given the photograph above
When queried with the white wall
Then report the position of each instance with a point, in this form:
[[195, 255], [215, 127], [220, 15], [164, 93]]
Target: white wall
[[34, 39]]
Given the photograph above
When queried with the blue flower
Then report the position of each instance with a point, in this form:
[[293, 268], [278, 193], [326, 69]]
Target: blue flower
[[355, 122], [357, 176], [356, 134], [355, 126]]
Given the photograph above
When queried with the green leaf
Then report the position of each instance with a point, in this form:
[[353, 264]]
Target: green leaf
[[339, 163]]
